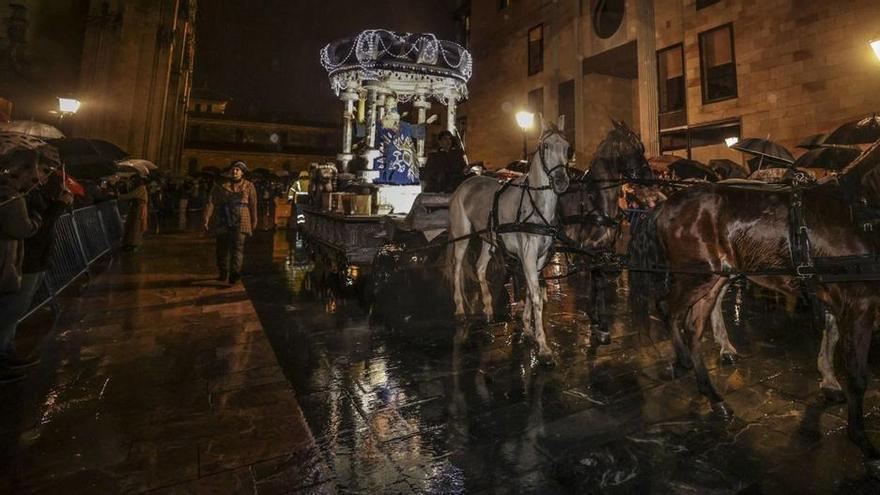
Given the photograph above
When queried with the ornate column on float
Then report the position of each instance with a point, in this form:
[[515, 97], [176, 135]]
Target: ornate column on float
[[348, 97], [450, 112], [422, 105], [371, 116]]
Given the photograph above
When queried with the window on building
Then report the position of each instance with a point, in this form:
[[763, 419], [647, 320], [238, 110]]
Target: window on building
[[718, 64], [607, 16], [239, 136], [686, 139], [702, 4], [195, 133], [671, 86], [463, 24], [536, 101], [566, 107], [536, 49], [198, 108], [503, 4]]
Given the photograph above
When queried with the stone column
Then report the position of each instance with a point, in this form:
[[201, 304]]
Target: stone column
[[647, 56], [422, 105], [348, 97]]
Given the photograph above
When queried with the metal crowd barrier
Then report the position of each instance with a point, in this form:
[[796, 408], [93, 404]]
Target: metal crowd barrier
[[81, 237]]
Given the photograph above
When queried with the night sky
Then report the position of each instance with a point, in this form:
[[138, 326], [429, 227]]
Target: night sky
[[264, 53]]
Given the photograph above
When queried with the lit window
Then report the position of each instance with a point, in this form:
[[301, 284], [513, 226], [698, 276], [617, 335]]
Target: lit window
[[717, 64], [536, 49]]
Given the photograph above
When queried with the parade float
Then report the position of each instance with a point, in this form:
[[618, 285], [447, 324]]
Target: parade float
[[387, 82]]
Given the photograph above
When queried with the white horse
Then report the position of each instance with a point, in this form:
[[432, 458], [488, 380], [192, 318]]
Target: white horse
[[530, 199]]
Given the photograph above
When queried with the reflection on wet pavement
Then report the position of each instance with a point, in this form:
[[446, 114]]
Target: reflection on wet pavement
[[407, 401]]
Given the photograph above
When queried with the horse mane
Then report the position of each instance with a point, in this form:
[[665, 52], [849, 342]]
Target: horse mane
[[620, 141], [862, 173]]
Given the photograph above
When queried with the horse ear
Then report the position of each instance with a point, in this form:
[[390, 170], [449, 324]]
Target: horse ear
[[560, 122], [543, 123], [617, 124]]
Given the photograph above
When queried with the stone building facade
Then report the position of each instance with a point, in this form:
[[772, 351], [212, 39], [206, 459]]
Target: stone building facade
[[129, 62], [686, 74], [216, 139]]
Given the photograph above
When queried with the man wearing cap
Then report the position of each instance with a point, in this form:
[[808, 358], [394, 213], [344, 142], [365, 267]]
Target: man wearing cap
[[231, 212]]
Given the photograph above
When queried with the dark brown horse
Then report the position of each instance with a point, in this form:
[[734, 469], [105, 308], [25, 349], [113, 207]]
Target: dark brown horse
[[719, 228], [591, 215]]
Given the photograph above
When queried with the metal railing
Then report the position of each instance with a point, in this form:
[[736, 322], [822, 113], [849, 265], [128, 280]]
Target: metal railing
[[81, 237]]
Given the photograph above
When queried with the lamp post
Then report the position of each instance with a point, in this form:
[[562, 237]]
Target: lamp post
[[66, 106], [525, 120]]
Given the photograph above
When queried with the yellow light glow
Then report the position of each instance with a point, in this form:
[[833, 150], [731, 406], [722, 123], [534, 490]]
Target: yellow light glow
[[875, 45], [68, 105], [731, 141], [525, 120]]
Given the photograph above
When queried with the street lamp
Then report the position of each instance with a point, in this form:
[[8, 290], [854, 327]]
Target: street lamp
[[525, 120], [730, 141], [875, 45]]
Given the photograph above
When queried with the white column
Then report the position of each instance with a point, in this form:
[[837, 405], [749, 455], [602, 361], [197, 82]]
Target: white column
[[647, 56], [371, 117], [450, 114], [422, 105], [348, 98]]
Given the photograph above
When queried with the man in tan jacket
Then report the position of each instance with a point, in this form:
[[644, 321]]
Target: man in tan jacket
[[231, 213]]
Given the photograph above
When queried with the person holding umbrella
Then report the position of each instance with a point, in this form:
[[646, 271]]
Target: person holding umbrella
[[231, 212], [136, 220]]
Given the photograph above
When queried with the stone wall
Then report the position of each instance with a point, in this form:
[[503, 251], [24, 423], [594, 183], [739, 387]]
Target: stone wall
[[803, 67]]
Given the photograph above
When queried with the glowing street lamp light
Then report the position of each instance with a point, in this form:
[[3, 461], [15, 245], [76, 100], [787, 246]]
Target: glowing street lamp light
[[68, 106], [731, 141], [875, 45], [525, 121]]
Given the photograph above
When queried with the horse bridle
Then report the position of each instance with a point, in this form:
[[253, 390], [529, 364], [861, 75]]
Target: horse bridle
[[542, 146]]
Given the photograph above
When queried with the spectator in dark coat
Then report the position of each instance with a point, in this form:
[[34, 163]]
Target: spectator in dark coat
[[445, 168]]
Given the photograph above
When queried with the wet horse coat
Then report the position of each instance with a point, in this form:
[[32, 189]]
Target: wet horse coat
[[531, 199], [720, 228]]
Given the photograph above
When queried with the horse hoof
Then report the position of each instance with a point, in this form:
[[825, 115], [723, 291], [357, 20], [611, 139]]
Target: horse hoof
[[728, 358], [546, 360], [872, 468], [833, 396], [722, 410]]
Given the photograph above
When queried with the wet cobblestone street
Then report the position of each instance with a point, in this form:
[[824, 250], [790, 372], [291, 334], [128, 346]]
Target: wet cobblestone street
[[159, 380]]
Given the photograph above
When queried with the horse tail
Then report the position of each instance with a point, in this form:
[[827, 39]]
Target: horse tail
[[646, 253]]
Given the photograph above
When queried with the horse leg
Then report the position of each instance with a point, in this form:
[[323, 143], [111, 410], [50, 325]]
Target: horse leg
[[530, 267], [482, 265], [599, 329], [528, 329], [459, 252], [856, 345], [719, 329], [698, 318], [830, 386]]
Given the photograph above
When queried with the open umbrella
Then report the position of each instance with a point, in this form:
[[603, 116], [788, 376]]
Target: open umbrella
[[813, 142], [828, 157], [10, 141], [728, 169], [864, 131], [765, 150], [79, 151], [84, 171], [760, 163], [691, 169], [31, 128], [142, 167]]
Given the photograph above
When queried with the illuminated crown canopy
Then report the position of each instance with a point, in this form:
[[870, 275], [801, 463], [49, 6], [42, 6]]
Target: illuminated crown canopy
[[403, 62]]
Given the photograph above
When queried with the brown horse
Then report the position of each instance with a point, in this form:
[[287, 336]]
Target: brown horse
[[591, 216], [719, 228]]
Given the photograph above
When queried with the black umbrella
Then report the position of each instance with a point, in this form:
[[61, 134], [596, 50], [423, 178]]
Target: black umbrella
[[828, 157], [728, 169], [91, 170], [864, 131], [690, 169], [765, 150], [813, 142], [79, 151], [760, 163]]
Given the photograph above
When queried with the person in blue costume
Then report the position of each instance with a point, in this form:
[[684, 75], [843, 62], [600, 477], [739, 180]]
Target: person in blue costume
[[397, 163]]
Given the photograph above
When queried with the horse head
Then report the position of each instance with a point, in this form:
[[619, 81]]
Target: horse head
[[623, 154], [554, 152]]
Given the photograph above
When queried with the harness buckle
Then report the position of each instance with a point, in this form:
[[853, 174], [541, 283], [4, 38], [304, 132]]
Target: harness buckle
[[804, 271]]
